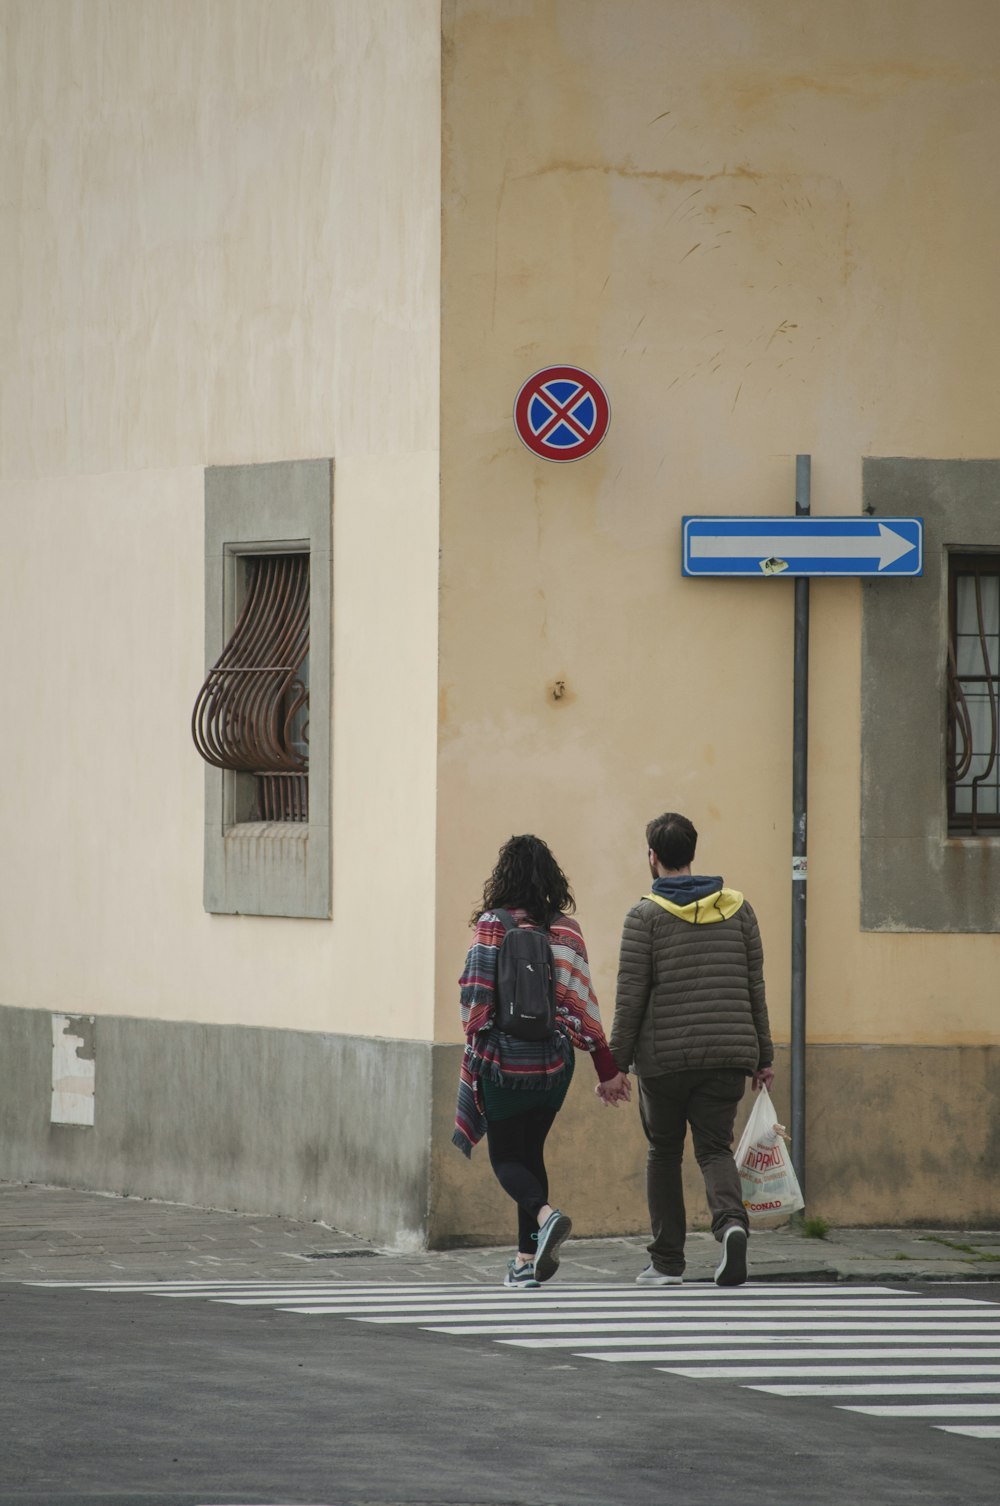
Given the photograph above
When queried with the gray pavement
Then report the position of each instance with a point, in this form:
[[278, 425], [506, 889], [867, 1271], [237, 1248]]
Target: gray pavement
[[60, 1234]]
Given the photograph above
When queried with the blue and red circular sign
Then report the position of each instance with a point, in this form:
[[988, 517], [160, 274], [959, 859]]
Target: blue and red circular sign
[[562, 413]]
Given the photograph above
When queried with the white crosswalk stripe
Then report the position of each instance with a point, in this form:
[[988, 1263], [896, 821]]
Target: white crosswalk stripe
[[874, 1351]]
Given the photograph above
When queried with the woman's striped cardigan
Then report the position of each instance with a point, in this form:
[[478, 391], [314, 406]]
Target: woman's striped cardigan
[[505, 1059]]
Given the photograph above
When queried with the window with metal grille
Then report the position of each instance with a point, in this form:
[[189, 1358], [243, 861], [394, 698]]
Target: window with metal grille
[[252, 713], [973, 741]]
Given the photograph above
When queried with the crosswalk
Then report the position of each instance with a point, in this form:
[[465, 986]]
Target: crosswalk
[[872, 1350]]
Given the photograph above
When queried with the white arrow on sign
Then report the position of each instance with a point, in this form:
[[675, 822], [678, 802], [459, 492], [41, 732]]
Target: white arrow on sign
[[888, 547]]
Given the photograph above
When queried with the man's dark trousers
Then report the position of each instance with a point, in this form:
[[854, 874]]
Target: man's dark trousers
[[667, 1105]]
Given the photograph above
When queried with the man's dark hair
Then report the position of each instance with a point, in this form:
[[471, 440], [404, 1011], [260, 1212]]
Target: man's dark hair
[[527, 877], [673, 839]]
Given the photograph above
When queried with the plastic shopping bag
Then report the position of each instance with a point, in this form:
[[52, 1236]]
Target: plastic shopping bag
[[770, 1186]]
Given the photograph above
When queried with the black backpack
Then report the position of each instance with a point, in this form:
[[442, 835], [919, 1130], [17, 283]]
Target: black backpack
[[526, 982]]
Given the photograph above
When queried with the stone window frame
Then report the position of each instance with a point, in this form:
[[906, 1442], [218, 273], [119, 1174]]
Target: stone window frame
[[915, 876], [271, 868]]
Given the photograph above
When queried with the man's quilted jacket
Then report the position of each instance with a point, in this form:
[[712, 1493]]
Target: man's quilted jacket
[[691, 988]]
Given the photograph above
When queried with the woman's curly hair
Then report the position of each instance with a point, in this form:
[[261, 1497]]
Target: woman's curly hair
[[527, 877]]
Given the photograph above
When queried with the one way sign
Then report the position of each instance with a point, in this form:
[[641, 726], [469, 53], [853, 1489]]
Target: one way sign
[[759, 547]]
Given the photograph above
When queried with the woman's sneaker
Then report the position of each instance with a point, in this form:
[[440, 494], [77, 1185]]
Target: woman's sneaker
[[550, 1236], [520, 1276], [652, 1277], [732, 1268]]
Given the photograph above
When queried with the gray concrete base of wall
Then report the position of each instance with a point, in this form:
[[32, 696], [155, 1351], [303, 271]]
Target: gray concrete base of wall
[[328, 1127], [356, 1132]]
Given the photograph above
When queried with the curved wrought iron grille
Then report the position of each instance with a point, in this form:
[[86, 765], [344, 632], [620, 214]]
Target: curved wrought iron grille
[[973, 740], [251, 714]]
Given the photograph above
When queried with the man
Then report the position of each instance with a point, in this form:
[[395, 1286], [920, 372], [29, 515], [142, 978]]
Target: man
[[691, 1022]]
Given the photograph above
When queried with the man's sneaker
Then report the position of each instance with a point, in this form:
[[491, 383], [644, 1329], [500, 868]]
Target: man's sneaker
[[652, 1277], [521, 1276], [550, 1236], [732, 1268]]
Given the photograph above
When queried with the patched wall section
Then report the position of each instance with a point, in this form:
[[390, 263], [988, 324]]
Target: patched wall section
[[914, 877], [73, 1070]]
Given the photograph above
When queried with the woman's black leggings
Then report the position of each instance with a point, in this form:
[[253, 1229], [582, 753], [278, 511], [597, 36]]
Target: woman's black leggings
[[517, 1148]]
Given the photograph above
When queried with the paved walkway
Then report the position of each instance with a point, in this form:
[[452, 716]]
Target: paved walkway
[[57, 1234]]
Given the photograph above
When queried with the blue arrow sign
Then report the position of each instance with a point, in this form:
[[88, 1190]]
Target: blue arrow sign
[[759, 547]]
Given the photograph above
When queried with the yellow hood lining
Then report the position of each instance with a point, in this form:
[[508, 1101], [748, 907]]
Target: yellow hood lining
[[722, 905]]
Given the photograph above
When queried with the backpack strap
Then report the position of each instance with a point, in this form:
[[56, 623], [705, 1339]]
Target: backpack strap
[[509, 924]]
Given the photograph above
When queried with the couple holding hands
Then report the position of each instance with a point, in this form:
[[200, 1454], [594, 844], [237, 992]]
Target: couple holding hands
[[690, 1022]]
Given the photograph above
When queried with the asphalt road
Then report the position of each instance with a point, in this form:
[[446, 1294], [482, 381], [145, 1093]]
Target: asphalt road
[[135, 1398]]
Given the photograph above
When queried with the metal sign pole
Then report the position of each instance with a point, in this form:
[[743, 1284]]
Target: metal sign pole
[[800, 774], [771, 548]]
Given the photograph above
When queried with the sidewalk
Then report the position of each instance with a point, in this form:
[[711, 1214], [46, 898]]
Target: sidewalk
[[57, 1234]]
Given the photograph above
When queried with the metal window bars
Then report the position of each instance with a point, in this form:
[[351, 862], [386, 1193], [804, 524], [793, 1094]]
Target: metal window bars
[[973, 712], [251, 714]]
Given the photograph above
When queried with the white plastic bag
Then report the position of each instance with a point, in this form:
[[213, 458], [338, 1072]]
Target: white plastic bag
[[770, 1186]]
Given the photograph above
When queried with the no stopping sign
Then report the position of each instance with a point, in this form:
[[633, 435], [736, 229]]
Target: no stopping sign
[[562, 413]]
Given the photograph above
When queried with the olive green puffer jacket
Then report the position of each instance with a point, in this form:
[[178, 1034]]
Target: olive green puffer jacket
[[691, 988]]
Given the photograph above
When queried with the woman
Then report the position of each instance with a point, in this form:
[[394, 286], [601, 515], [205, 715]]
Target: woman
[[512, 1089]]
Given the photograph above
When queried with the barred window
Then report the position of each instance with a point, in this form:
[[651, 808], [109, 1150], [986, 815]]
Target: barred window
[[973, 743], [252, 713]]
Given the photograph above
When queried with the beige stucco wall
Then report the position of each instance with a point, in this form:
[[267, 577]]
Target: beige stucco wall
[[221, 222], [768, 228], [767, 225]]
